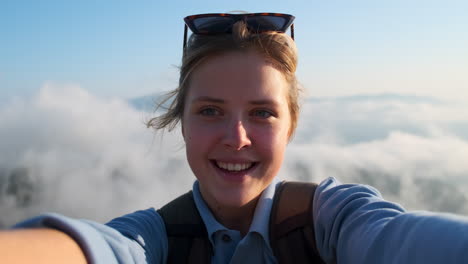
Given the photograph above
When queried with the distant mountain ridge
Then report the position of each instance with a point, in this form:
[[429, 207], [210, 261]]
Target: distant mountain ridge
[[383, 97], [144, 103]]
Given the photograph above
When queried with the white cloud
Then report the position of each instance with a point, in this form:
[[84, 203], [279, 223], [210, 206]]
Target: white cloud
[[67, 151], [414, 152], [71, 152]]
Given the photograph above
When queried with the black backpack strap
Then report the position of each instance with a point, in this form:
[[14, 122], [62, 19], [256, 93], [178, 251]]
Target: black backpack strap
[[292, 236], [186, 232]]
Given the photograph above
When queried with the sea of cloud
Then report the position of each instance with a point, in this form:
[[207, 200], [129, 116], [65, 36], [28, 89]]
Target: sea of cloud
[[68, 151], [414, 150]]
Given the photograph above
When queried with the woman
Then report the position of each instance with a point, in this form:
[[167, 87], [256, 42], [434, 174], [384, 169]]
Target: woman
[[238, 107]]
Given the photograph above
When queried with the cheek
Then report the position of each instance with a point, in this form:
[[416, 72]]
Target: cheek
[[272, 143], [196, 148], [194, 128], [197, 137]]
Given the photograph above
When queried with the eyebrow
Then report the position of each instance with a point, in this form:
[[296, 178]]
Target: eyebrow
[[221, 101], [263, 102], [208, 99]]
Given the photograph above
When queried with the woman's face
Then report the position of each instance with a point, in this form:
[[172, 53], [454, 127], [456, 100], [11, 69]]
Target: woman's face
[[235, 126]]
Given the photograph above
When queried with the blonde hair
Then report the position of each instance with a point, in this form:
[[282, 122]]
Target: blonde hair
[[277, 48]]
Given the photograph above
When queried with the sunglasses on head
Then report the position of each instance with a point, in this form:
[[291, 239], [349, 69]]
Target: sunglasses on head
[[221, 23]]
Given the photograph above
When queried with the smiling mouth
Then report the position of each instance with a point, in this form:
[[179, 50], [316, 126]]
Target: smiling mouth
[[234, 167]]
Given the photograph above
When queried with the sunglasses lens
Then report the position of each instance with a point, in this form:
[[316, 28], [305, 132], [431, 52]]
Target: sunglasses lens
[[216, 24], [213, 25], [267, 23]]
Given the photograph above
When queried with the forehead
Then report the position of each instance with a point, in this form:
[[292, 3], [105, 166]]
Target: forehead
[[238, 75]]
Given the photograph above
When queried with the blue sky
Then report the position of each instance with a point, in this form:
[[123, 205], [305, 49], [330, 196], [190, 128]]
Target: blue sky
[[133, 48]]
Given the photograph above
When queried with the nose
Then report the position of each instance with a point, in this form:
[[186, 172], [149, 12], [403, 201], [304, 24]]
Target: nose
[[236, 136]]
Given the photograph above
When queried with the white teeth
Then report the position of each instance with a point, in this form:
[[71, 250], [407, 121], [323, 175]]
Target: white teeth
[[234, 166]]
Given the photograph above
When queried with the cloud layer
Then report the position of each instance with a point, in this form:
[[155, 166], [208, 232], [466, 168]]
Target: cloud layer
[[68, 151]]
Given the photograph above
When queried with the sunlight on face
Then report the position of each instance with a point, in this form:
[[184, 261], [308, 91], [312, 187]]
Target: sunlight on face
[[235, 125]]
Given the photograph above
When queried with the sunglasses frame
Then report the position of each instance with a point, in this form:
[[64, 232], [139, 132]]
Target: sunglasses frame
[[189, 22]]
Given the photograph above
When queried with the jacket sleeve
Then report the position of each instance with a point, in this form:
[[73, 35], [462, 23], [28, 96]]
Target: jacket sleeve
[[105, 243], [147, 228], [353, 224]]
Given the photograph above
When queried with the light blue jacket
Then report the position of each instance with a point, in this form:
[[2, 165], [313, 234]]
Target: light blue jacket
[[353, 224]]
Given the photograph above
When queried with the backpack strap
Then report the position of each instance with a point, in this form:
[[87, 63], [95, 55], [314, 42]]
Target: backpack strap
[[186, 232], [292, 236]]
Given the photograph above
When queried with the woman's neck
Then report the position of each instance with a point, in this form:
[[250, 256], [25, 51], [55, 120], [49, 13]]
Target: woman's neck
[[236, 218]]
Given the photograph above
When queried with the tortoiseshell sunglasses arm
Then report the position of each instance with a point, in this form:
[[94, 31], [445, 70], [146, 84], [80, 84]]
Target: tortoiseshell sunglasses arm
[[292, 31], [185, 36]]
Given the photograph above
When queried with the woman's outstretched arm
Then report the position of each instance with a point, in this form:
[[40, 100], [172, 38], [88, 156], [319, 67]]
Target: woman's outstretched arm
[[41, 245], [353, 224], [139, 237]]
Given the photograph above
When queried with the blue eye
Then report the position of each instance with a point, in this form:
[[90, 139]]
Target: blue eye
[[209, 111], [262, 113]]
